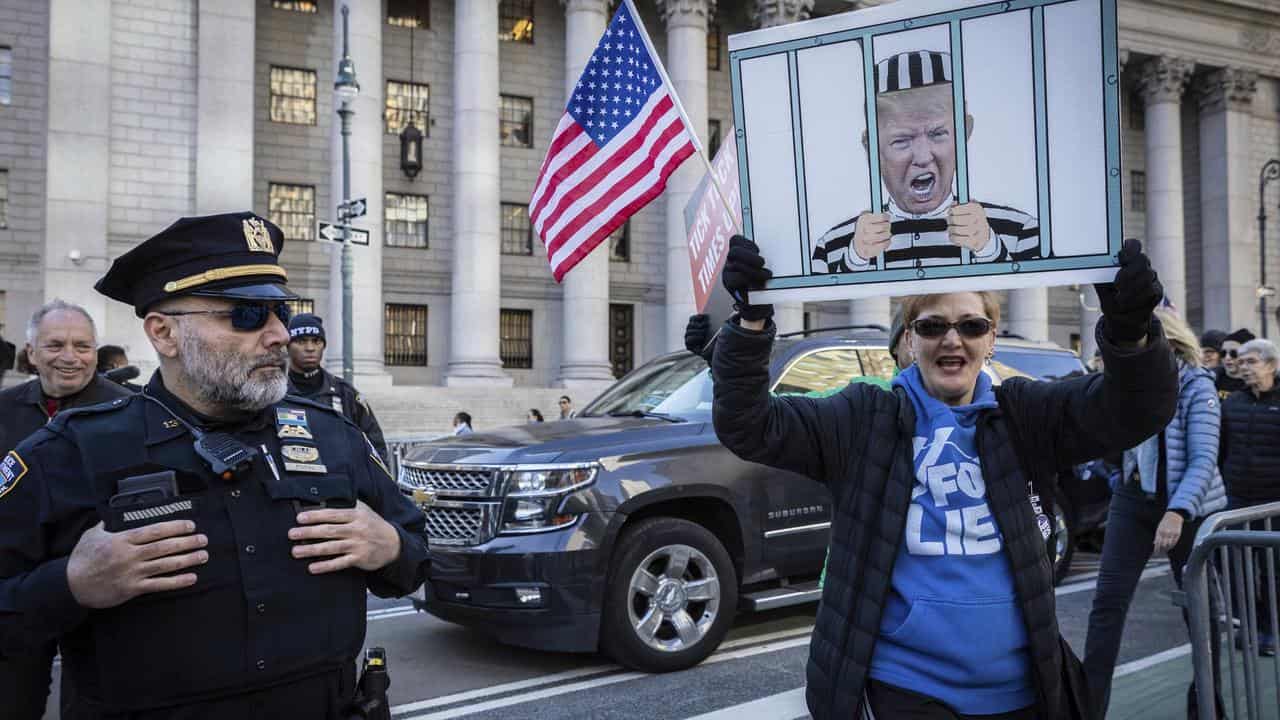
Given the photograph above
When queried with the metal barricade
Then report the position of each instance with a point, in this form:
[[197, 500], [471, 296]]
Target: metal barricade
[[399, 445], [1234, 563]]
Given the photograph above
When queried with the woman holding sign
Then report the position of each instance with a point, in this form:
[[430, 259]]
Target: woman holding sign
[[939, 597]]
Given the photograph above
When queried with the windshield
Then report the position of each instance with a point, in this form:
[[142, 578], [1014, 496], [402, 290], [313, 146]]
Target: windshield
[[678, 386], [1038, 364]]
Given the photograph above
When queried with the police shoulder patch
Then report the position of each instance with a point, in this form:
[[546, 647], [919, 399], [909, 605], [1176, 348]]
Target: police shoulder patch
[[12, 469]]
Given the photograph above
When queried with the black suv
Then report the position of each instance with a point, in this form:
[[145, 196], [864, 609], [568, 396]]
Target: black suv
[[630, 528]]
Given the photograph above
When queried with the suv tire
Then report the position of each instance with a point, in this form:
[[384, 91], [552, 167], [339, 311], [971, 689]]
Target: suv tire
[[671, 596]]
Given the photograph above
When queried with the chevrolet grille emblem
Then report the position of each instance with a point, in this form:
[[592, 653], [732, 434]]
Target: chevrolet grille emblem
[[424, 498]]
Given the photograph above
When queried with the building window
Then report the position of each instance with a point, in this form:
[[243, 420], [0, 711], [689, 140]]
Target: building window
[[4, 199], [409, 13], [713, 46], [620, 243], [1137, 191], [713, 137], [516, 327], [1137, 112], [405, 220], [517, 233], [515, 21], [622, 332], [6, 75], [405, 102], [293, 208], [404, 340], [301, 305], [515, 121], [293, 96], [302, 6]]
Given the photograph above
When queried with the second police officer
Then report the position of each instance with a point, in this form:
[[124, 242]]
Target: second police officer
[[203, 549], [308, 379]]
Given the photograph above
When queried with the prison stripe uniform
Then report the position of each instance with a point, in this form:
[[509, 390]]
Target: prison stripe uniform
[[922, 241]]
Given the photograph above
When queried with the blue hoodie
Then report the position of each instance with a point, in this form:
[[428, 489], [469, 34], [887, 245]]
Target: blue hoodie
[[952, 627]]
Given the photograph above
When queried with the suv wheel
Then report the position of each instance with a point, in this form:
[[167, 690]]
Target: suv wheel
[[671, 596], [1062, 543]]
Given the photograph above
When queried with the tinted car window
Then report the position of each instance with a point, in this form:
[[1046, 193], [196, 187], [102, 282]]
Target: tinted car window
[[878, 363], [1040, 364], [820, 372]]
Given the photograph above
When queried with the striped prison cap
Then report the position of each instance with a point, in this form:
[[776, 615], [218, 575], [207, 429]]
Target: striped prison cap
[[914, 69]]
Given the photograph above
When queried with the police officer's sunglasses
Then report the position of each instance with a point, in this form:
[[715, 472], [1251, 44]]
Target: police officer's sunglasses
[[246, 315], [931, 327]]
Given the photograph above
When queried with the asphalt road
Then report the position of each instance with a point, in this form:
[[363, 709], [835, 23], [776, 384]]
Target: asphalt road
[[440, 671]]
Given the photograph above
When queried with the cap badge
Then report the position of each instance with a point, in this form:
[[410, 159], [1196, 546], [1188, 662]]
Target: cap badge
[[255, 233]]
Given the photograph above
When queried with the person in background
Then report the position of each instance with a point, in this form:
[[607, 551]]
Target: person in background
[[113, 364], [939, 600], [62, 343], [1250, 455], [1169, 484], [535, 415], [1211, 349], [308, 379], [8, 354], [1227, 377], [462, 424], [566, 408]]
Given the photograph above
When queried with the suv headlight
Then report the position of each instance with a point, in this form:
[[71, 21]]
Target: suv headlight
[[533, 497]]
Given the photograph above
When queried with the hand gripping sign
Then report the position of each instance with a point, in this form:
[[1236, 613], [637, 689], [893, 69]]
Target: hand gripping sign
[[931, 146]]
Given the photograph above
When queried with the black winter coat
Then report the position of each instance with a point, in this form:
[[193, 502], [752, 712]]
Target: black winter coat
[[22, 410], [858, 443], [1249, 450]]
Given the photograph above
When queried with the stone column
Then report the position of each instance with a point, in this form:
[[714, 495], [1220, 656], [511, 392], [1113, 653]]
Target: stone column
[[788, 316], [475, 300], [870, 311], [1228, 181], [686, 63], [224, 106], [1029, 313], [1161, 82], [585, 361], [75, 249], [365, 37]]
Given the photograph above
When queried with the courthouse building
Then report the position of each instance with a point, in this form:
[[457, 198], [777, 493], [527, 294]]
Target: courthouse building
[[118, 116]]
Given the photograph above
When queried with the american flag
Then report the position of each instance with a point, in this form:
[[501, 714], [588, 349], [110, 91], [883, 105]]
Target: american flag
[[622, 135]]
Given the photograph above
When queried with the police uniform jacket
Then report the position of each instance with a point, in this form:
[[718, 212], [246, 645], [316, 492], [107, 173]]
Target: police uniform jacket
[[255, 618], [22, 408], [327, 389]]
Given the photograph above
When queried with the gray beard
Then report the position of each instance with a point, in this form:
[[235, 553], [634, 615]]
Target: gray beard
[[225, 379]]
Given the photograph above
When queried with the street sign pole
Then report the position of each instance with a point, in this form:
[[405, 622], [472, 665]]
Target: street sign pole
[[345, 112]]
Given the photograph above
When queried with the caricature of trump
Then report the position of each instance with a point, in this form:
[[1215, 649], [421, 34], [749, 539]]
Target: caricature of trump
[[922, 224]]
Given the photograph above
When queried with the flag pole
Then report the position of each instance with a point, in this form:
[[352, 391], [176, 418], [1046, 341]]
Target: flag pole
[[675, 97]]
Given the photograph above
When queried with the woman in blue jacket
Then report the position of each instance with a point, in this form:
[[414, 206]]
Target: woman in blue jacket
[[1169, 483]]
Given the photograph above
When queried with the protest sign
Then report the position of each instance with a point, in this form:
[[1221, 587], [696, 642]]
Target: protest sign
[[709, 224], [931, 146]]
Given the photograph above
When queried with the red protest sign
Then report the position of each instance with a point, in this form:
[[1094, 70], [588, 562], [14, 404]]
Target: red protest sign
[[709, 224]]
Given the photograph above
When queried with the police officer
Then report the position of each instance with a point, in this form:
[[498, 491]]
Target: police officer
[[203, 549], [61, 343], [307, 379]]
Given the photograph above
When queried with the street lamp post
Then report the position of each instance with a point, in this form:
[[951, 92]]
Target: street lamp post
[[346, 88], [1270, 171]]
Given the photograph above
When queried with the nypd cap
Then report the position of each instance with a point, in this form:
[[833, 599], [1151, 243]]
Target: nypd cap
[[232, 255], [914, 69], [306, 325]]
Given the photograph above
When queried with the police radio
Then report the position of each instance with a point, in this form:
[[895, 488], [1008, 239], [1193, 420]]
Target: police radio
[[225, 456]]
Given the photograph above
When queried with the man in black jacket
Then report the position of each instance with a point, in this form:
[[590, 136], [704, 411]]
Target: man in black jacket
[[1226, 377], [62, 346], [1249, 451], [860, 444], [309, 380]]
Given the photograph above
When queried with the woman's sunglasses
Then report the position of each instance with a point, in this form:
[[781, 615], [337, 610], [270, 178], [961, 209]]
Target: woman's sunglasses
[[931, 328], [246, 315]]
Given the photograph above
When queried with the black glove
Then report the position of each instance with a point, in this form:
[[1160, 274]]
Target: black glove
[[1127, 303], [744, 271], [698, 335]]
